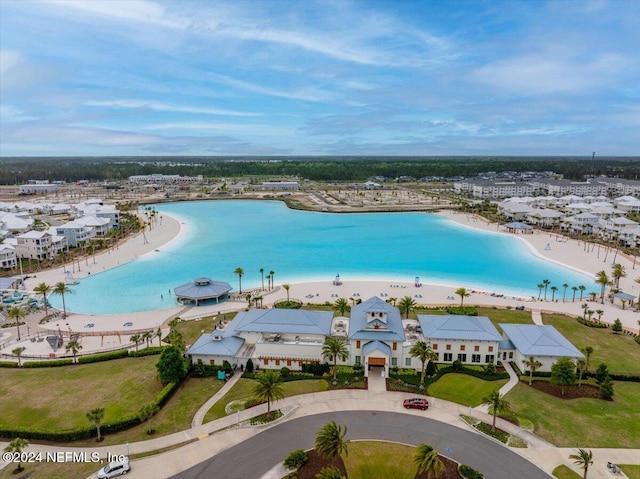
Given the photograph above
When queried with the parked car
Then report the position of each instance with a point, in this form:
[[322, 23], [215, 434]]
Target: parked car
[[416, 403], [114, 468]]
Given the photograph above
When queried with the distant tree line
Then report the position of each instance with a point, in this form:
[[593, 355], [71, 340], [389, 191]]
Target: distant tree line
[[19, 170]]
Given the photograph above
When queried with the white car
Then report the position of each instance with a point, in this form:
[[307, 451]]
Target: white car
[[114, 468]]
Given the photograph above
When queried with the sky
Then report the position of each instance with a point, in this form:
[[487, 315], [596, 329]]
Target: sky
[[297, 77]]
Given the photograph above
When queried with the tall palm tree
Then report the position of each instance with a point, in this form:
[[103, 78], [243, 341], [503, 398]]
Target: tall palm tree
[[532, 364], [334, 349], [406, 306], [262, 277], [74, 346], [540, 286], [583, 459], [44, 289], [18, 352], [96, 416], [239, 271], [582, 288], [497, 405], [424, 353], [599, 312], [463, 293], [16, 446], [603, 280], [564, 291], [272, 275], [136, 338], [147, 412], [587, 351], [330, 442], [146, 336], [618, 271], [582, 365], [545, 283], [574, 289], [61, 289], [427, 460], [286, 288], [553, 292], [17, 314], [269, 387], [340, 306], [268, 282]]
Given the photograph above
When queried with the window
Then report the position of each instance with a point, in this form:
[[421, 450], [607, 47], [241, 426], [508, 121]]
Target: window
[[212, 362], [510, 354], [448, 347], [448, 357], [288, 362], [435, 346], [475, 358], [462, 358], [266, 362], [358, 344], [395, 346], [490, 349], [407, 361], [489, 358], [394, 361], [277, 362], [476, 348], [462, 347], [357, 359]]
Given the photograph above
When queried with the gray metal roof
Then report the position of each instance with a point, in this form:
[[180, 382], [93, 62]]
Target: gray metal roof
[[452, 326], [519, 226], [376, 346], [202, 288], [625, 296], [276, 320], [539, 340], [207, 345], [359, 328], [506, 345], [9, 283]]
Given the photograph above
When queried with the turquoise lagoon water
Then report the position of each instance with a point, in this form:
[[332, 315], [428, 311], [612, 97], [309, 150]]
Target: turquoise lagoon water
[[303, 246]]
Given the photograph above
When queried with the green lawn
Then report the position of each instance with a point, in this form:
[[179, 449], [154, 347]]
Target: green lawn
[[463, 389], [618, 351], [564, 472], [382, 460], [512, 316], [48, 470], [57, 399], [632, 471], [192, 330], [582, 422]]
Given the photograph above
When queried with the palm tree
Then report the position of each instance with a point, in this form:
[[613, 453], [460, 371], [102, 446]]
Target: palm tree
[[269, 387], [582, 365], [262, 277], [15, 447], [587, 351], [147, 412], [334, 349], [18, 352], [330, 442], [44, 289], [545, 283], [497, 405], [158, 335], [584, 307], [553, 292], [239, 271], [406, 306], [600, 312], [146, 336], [583, 459], [603, 280], [424, 353], [463, 293], [427, 460], [582, 288], [96, 416], [331, 472], [340, 306], [540, 286], [61, 289], [286, 288], [271, 275], [618, 271], [574, 289], [532, 364], [136, 338], [564, 291], [74, 346], [17, 314]]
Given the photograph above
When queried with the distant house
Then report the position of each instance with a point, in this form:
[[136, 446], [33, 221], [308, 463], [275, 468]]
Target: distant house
[[8, 258], [280, 185], [34, 245], [75, 232]]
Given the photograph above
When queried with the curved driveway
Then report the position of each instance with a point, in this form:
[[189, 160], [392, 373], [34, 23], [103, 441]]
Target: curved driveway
[[257, 455]]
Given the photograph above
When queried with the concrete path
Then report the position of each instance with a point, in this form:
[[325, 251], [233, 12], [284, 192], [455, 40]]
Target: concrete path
[[198, 418], [536, 316], [514, 379]]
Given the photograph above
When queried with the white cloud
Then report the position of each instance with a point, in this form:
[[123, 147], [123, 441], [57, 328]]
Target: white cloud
[[308, 93], [159, 106], [254, 129]]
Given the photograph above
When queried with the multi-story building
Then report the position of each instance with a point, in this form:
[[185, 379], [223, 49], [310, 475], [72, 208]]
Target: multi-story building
[[34, 245]]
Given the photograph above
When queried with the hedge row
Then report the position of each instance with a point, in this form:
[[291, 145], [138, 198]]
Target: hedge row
[[47, 364], [87, 432], [8, 364], [592, 324], [415, 378], [150, 351], [96, 358]]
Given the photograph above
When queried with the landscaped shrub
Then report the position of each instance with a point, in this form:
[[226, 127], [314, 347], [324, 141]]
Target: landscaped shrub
[[96, 358], [8, 364], [47, 364], [295, 459], [431, 368], [317, 369], [150, 351], [465, 310], [284, 372], [617, 326], [606, 389], [457, 365], [490, 369], [498, 434], [591, 324], [467, 472], [266, 418], [227, 367], [249, 367], [601, 373]]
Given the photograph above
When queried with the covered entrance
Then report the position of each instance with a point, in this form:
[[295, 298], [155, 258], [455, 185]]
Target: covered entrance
[[376, 358]]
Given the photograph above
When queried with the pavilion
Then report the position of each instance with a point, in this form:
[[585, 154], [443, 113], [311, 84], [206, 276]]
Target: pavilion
[[517, 227], [202, 290]]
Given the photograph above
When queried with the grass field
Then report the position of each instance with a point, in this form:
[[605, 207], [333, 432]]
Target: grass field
[[463, 389], [57, 399], [382, 460], [632, 471], [564, 472], [582, 422], [192, 330], [618, 351], [512, 316], [43, 470]]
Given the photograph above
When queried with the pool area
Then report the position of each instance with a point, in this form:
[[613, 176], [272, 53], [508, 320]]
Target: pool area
[[221, 236]]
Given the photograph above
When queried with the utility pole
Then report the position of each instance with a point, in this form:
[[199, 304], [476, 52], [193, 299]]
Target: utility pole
[[593, 164]]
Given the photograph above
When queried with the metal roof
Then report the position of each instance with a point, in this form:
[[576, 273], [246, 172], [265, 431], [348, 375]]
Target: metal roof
[[519, 226], [625, 296], [539, 340], [376, 346], [207, 345], [276, 320], [361, 328], [202, 288], [478, 328]]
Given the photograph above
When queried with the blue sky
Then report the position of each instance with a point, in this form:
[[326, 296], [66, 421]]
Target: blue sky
[[114, 77]]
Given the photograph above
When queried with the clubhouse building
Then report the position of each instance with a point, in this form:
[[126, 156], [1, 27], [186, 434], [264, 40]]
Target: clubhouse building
[[376, 337]]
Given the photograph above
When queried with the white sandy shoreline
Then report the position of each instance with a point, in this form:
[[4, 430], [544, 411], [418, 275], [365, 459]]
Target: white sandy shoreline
[[570, 253]]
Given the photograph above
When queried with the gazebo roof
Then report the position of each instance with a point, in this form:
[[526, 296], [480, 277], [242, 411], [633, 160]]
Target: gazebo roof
[[625, 296], [518, 226], [202, 288]]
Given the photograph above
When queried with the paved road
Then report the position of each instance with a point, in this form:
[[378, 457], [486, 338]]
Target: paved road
[[254, 457]]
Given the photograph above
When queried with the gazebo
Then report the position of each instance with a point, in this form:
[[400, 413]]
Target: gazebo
[[626, 297], [202, 289], [517, 227]]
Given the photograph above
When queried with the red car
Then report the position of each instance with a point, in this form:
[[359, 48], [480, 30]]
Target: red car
[[416, 403]]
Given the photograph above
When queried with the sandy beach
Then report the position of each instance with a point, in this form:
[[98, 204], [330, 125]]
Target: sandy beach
[[568, 252]]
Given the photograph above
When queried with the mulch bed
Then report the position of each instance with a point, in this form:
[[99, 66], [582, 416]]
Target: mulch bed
[[450, 472], [575, 392], [315, 463]]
